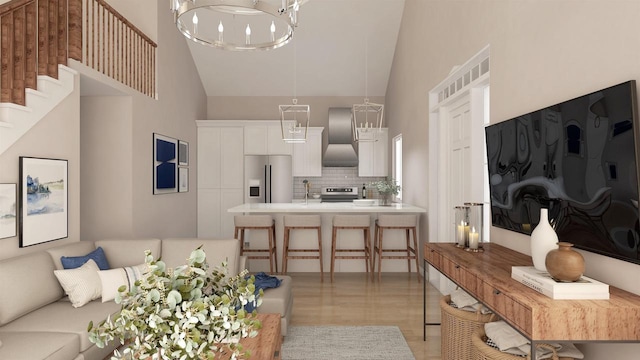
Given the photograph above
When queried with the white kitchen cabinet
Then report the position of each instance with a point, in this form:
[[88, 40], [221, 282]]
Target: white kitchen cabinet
[[220, 157], [213, 219], [307, 156], [373, 152], [265, 140]]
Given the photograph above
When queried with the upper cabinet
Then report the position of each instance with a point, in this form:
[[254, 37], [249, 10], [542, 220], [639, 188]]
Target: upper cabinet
[[220, 157], [265, 140], [373, 152], [307, 156]]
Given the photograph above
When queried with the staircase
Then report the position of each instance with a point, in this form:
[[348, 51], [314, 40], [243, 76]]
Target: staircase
[[16, 120], [36, 39]]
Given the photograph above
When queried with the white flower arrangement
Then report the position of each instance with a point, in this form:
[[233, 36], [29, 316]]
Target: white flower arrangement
[[387, 186], [185, 313]]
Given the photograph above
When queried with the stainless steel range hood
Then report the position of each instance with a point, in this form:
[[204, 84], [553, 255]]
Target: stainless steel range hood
[[340, 151]]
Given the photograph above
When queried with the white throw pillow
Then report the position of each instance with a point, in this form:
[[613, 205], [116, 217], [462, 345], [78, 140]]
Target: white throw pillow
[[112, 279], [80, 284]]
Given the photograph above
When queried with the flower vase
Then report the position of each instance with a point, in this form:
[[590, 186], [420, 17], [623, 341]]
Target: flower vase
[[564, 263], [385, 199], [543, 240]]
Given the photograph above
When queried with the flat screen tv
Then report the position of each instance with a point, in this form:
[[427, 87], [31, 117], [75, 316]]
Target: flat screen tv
[[578, 159]]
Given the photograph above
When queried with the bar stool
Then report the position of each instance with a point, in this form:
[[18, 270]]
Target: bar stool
[[408, 223], [301, 222], [258, 222], [352, 222]]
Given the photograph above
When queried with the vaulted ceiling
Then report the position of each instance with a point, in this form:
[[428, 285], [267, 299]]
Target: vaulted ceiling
[[332, 44]]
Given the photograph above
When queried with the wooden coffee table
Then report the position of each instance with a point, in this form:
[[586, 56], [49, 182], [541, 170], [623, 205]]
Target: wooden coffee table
[[266, 345]]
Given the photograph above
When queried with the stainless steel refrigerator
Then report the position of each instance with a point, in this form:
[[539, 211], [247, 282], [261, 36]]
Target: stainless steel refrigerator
[[268, 179]]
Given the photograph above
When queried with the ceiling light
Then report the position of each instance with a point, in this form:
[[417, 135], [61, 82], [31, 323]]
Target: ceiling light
[[367, 116], [292, 130], [237, 24]]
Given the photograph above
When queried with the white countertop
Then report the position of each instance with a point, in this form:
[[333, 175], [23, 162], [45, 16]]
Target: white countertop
[[326, 207]]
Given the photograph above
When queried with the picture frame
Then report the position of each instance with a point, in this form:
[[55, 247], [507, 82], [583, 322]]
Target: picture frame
[[44, 197], [183, 153], [183, 179], [8, 210], [165, 164]]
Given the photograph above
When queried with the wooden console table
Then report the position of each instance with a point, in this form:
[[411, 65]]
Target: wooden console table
[[487, 277]]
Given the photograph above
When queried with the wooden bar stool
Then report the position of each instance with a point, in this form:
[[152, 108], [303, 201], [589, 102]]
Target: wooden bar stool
[[301, 222], [352, 222], [258, 222], [408, 223]]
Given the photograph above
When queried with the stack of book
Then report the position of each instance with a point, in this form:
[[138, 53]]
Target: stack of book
[[542, 282]]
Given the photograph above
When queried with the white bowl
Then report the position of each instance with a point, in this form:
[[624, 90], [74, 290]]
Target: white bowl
[[315, 196], [363, 202]]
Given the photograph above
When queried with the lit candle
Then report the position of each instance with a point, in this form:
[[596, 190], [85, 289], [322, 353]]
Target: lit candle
[[460, 234], [220, 31], [273, 31], [195, 23], [247, 32], [473, 239]]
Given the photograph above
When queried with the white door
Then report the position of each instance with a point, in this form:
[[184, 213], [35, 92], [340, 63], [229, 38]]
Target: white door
[[460, 176]]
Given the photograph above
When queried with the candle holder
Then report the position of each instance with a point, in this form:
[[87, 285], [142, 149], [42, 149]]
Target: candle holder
[[462, 226], [475, 238]]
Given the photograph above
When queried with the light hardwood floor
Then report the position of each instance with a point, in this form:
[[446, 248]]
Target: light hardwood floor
[[351, 299]]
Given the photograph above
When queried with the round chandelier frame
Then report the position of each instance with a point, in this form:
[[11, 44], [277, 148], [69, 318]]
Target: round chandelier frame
[[284, 17]]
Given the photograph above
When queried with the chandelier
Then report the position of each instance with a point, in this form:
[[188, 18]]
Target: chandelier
[[366, 116], [237, 25]]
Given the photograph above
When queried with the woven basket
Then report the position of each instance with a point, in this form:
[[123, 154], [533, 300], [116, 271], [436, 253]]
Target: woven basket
[[481, 351], [457, 328]]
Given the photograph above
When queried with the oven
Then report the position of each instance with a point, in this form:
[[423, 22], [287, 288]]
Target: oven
[[339, 194]]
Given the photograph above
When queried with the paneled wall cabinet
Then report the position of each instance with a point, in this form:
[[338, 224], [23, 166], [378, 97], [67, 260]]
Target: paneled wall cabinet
[[307, 156], [220, 178], [373, 152], [487, 277], [265, 139]]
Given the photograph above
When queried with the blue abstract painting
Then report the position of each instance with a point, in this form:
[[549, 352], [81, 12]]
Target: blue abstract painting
[[165, 164]]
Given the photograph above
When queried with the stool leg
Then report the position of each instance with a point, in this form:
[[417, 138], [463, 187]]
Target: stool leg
[[367, 251], [408, 251], [415, 252], [380, 254], [320, 252], [285, 250], [270, 250], [373, 254], [334, 234], [274, 249]]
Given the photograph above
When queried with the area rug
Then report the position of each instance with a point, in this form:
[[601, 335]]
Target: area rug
[[345, 342]]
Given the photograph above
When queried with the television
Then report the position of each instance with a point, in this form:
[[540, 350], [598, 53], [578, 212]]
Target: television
[[578, 158]]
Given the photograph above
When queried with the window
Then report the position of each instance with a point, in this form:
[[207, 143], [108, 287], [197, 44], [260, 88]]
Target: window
[[397, 162]]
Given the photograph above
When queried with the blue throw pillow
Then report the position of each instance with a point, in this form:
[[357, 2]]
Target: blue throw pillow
[[72, 262]]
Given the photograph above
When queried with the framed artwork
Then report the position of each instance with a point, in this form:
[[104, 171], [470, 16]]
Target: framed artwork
[[183, 179], [165, 164], [44, 194], [183, 153], [8, 210]]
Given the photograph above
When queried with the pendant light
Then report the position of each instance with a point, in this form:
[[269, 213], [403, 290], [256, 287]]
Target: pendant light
[[292, 130], [366, 116]]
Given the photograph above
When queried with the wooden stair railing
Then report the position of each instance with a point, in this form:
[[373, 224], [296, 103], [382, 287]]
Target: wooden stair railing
[[37, 35]]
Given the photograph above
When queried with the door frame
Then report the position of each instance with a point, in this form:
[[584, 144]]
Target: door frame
[[467, 82]]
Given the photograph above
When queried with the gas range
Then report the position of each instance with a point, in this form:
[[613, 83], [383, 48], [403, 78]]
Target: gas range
[[339, 194]]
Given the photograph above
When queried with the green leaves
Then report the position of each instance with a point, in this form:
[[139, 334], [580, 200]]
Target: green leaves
[[190, 312]]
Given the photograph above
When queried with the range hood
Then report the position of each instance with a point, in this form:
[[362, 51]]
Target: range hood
[[340, 151]]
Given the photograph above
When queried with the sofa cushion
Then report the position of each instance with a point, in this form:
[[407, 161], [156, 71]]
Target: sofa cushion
[[26, 284], [276, 300], [175, 252], [77, 248], [81, 284], [61, 317], [39, 345], [111, 280], [97, 255], [128, 252]]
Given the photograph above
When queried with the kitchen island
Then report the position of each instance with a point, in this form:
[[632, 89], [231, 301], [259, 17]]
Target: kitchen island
[[346, 238]]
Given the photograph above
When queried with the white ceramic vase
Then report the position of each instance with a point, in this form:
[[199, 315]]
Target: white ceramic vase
[[543, 240]]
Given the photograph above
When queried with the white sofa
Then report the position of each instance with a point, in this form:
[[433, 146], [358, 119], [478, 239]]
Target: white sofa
[[37, 320]]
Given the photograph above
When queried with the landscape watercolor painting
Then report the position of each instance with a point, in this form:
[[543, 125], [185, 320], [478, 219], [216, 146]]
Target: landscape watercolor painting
[[8, 210], [43, 200]]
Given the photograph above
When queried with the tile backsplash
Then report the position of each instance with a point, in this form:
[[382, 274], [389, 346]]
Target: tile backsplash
[[331, 176]]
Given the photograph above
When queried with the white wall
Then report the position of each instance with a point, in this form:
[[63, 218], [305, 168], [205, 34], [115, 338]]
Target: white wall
[[542, 52]]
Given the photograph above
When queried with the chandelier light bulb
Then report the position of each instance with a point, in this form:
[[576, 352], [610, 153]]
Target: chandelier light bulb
[[247, 31]]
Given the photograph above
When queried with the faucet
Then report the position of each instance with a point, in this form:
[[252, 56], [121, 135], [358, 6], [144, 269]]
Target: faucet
[[306, 191]]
